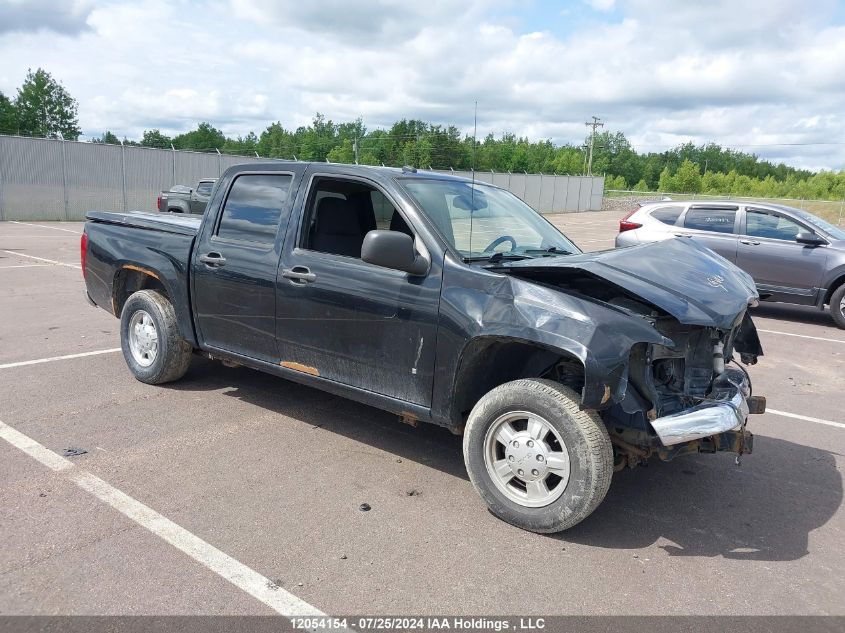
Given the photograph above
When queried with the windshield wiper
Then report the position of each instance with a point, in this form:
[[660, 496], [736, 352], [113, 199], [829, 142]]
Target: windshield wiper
[[552, 250], [497, 257]]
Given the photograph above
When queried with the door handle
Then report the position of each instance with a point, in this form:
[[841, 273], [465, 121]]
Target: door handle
[[212, 260], [750, 242], [299, 275], [686, 235]]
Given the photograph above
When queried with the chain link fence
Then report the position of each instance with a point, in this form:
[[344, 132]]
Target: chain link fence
[[48, 179]]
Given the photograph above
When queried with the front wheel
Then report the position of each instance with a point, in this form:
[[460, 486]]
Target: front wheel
[[538, 461], [837, 306], [152, 346]]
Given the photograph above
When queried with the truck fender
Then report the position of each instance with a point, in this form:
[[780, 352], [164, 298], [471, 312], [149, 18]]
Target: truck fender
[[130, 277]]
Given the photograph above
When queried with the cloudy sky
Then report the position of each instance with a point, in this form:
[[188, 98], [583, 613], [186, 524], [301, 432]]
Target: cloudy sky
[[766, 76]]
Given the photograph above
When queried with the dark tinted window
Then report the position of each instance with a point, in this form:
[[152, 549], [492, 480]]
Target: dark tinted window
[[776, 227], [667, 215], [718, 220], [204, 188], [253, 209]]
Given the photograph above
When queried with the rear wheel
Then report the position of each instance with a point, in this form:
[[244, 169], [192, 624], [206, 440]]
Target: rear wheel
[[837, 306], [152, 346], [537, 460]]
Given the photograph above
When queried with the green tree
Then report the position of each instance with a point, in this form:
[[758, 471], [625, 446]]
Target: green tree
[[243, 145], [45, 108], [688, 178], [616, 183], [642, 185], [8, 116], [206, 138], [107, 138], [154, 138], [666, 183], [343, 153]]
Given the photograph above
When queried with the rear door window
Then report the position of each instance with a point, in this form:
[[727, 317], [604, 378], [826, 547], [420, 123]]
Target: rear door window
[[710, 219], [253, 209], [667, 215]]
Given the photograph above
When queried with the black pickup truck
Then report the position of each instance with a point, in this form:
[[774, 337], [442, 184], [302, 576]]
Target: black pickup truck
[[444, 301]]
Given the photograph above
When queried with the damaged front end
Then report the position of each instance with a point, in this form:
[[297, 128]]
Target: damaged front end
[[685, 393], [683, 399]]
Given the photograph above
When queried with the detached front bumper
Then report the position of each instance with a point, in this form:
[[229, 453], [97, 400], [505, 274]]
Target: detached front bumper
[[714, 417]]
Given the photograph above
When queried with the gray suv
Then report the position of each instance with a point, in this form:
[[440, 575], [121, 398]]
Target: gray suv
[[793, 256]]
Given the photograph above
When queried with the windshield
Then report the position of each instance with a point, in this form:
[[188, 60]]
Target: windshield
[[834, 231], [481, 221]]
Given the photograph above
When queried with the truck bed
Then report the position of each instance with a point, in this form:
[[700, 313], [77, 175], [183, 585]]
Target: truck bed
[[182, 224], [134, 250]]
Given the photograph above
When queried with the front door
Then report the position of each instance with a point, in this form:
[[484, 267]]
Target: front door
[[781, 267], [713, 227], [344, 319], [235, 262]]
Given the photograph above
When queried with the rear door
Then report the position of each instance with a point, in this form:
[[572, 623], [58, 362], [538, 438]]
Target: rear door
[[714, 226], [235, 262], [781, 267]]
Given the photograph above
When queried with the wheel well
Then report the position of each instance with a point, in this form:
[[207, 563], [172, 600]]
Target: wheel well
[[128, 280], [833, 288], [488, 363]]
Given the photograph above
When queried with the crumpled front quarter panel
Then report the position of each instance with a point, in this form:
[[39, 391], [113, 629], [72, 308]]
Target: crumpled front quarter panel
[[476, 303]]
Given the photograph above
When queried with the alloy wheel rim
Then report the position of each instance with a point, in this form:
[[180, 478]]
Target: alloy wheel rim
[[527, 459], [143, 338]]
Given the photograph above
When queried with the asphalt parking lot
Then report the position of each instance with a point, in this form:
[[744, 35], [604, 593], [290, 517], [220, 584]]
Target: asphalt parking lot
[[271, 475]]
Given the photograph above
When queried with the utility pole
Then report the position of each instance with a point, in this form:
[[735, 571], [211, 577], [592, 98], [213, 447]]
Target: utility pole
[[355, 148], [596, 122]]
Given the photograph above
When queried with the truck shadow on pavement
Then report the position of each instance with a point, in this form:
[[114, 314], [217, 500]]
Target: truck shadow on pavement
[[704, 505]]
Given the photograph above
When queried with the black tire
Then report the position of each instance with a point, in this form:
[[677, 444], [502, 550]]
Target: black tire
[[583, 433], [173, 355], [837, 306]]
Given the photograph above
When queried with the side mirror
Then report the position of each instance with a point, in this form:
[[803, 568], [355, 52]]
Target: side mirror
[[809, 238], [392, 249]]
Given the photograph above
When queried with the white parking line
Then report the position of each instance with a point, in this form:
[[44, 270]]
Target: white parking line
[[815, 338], [806, 418], [244, 578], [38, 361], [26, 266], [43, 226], [43, 259]]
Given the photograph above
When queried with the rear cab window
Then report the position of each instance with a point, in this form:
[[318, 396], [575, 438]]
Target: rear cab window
[[204, 188], [714, 219], [254, 207]]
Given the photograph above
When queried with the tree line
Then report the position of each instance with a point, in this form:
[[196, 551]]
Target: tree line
[[42, 107]]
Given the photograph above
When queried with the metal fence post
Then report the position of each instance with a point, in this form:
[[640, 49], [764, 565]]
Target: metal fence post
[[540, 195], [841, 206], [173, 154], [219, 163], [64, 180], [123, 173], [2, 180]]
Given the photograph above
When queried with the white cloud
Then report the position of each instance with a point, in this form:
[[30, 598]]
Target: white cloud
[[67, 16], [750, 73]]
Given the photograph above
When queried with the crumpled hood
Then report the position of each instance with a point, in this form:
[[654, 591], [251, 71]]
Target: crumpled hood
[[687, 280]]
